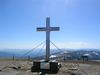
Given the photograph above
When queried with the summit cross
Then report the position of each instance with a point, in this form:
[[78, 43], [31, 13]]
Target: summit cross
[[47, 29]]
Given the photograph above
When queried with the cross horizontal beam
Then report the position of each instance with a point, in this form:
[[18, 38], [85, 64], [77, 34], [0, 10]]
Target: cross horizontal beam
[[50, 29]]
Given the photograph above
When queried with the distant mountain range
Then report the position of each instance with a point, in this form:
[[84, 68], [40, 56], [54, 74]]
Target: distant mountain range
[[92, 54], [72, 54]]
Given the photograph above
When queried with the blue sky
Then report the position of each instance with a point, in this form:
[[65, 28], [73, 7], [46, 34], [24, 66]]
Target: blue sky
[[79, 22]]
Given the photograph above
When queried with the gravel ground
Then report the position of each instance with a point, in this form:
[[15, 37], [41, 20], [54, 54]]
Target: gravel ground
[[9, 67]]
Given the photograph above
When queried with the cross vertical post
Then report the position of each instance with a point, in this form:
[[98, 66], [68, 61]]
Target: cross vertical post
[[47, 39]]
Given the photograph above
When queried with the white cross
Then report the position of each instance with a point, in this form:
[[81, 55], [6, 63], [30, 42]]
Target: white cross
[[48, 29]]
